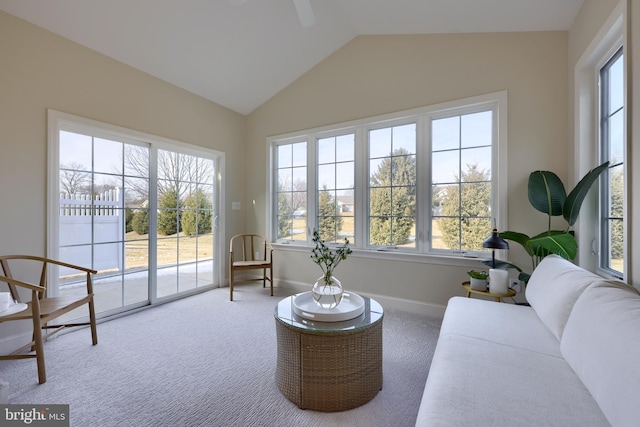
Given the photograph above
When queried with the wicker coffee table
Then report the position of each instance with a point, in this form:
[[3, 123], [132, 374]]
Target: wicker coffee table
[[329, 366]]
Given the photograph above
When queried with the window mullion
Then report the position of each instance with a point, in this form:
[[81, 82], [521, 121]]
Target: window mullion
[[361, 196], [153, 222], [312, 186], [424, 198]]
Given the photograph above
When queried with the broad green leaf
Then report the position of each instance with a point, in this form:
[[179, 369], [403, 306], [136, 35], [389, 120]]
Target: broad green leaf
[[549, 233], [542, 251], [576, 196], [504, 265], [520, 238], [524, 277], [563, 244], [546, 192]]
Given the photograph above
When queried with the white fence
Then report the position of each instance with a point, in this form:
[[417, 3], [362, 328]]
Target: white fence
[[85, 220]]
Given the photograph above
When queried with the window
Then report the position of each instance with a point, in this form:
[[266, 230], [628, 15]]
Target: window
[[392, 186], [461, 175], [138, 209], [420, 181], [291, 192], [612, 149], [336, 173]]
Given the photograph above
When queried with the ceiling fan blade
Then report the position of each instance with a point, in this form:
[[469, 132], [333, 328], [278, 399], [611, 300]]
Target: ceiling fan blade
[[305, 13]]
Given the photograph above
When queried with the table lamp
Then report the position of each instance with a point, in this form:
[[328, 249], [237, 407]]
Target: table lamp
[[495, 242]]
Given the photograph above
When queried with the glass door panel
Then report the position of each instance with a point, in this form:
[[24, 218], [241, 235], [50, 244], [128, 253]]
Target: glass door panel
[[185, 222], [98, 208]]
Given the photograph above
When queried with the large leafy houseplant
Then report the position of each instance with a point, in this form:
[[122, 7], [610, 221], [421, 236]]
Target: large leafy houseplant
[[547, 194]]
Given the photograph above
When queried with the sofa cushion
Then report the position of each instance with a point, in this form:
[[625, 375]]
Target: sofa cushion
[[553, 289], [507, 324], [473, 382], [601, 342]]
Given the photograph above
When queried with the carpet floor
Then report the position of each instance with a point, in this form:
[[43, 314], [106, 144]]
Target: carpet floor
[[207, 361]]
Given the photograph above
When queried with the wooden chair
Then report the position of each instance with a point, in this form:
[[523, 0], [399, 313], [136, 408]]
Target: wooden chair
[[250, 252], [41, 309]]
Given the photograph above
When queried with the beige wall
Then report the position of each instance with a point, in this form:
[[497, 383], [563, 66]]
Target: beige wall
[[39, 71], [587, 23], [373, 75]]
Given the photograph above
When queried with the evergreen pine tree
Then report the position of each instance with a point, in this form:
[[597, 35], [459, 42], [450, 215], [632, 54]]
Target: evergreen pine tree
[[329, 219], [196, 214], [128, 218], [168, 216], [285, 219], [392, 201], [140, 221], [466, 210]]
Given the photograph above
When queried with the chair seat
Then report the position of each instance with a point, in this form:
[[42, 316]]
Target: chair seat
[[49, 308], [251, 264]]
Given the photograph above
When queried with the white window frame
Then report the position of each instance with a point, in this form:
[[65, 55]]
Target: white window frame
[[496, 101], [606, 42], [58, 121], [604, 235]]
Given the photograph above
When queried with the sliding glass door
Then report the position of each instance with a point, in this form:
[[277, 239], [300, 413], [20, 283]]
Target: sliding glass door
[[97, 196], [140, 212]]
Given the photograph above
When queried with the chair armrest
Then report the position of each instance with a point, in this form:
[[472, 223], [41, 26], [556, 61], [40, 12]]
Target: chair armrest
[[44, 262], [89, 271], [61, 264], [50, 261], [15, 282]]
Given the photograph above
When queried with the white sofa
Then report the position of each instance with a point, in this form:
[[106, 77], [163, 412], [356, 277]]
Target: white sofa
[[571, 359]]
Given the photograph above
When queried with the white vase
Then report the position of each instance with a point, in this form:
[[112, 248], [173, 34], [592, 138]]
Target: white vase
[[327, 295], [498, 281], [478, 284]]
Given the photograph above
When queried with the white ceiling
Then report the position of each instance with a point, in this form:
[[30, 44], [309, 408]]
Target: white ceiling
[[241, 53]]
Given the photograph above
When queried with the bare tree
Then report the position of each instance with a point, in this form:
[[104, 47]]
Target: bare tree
[[137, 165], [73, 180], [176, 172]]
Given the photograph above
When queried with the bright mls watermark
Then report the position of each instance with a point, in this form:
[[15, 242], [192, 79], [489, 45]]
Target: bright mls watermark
[[34, 415]]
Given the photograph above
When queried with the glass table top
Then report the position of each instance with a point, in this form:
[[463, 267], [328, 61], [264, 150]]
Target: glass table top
[[284, 311]]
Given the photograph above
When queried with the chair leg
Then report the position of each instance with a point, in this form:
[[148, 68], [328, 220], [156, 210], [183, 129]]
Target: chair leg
[[271, 279], [92, 320], [39, 349], [230, 283]]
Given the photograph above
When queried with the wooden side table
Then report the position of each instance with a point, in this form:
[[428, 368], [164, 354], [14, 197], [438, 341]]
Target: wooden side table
[[467, 287]]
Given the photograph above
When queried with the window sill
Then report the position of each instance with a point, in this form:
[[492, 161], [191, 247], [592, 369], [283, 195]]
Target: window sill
[[390, 255]]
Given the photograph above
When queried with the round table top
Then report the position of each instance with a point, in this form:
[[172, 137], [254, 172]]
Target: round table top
[[284, 311], [467, 287]]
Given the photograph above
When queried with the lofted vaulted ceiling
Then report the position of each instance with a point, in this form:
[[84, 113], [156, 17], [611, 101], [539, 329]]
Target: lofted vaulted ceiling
[[240, 53]]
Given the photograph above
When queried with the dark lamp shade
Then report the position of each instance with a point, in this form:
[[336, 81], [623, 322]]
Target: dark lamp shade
[[495, 241]]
